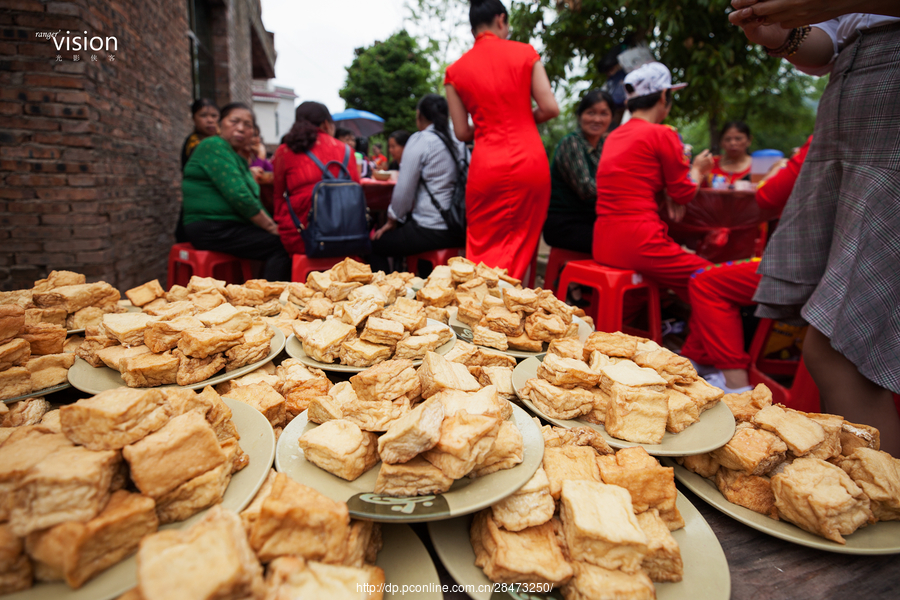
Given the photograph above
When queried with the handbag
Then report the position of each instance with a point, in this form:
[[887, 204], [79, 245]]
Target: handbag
[[455, 213], [337, 224]]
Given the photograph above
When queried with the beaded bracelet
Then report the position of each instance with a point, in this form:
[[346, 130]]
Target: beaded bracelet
[[793, 42]]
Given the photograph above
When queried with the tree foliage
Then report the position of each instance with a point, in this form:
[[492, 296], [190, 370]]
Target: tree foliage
[[387, 79], [442, 27]]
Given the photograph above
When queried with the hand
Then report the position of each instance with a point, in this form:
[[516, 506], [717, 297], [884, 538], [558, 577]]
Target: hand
[[793, 13], [257, 172], [675, 211], [703, 163], [391, 224], [265, 222], [770, 35]]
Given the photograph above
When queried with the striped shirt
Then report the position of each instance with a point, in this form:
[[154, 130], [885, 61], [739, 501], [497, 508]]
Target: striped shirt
[[425, 158]]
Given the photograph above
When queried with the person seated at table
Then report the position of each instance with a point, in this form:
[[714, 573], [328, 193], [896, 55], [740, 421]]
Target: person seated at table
[[262, 169], [715, 342], [734, 164], [379, 158], [573, 176], [347, 136], [396, 143], [362, 157], [222, 210], [296, 174], [205, 114], [640, 160], [427, 179]]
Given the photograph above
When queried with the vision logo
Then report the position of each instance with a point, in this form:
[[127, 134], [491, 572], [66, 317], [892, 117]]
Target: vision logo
[[78, 42]]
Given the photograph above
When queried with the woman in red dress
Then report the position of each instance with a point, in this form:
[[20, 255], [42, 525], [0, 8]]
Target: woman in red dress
[[508, 188], [297, 174]]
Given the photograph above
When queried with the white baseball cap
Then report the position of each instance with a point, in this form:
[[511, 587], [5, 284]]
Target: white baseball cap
[[650, 78]]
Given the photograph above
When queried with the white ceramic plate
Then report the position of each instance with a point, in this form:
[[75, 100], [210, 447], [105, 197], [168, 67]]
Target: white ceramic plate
[[407, 565], [294, 349], [706, 575], [43, 392], [257, 440], [881, 538], [464, 332], [714, 429], [93, 381], [466, 496]]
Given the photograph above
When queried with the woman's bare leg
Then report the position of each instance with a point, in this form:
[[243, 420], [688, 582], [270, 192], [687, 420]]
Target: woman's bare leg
[[844, 391]]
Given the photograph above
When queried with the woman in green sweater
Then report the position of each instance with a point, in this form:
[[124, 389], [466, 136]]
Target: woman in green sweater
[[222, 210]]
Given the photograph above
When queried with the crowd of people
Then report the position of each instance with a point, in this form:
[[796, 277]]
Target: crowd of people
[[831, 262]]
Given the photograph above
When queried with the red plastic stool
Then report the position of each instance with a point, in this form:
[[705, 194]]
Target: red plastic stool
[[185, 261], [607, 305], [803, 393], [302, 265], [558, 259], [435, 257]]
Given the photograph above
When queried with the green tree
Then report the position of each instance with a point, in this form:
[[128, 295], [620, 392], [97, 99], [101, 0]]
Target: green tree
[[387, 79], [442, 27]]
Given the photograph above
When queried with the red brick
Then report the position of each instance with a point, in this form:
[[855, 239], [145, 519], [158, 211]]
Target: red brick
[[67, 193], [29, 66], [42, 48], [92, 231], [10, 108], [33, 123], [64, 139], [23, 246], [70, 66], [7, 48], [98, 257], [86, 207], [73, 245], [63, 8], [29, 5], [9, 193], [82, 126], [29, 152], [73, 219], [19, 220], [61, 259], [35, 180], [72, 97], [49, 109], [82, 180], [38, 233], [54, 81], [48, 23]]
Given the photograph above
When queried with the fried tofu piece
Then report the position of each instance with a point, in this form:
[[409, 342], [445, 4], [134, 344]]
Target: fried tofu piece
[[205, 284], [437, 373], [239, 295], [352, 270], [753, 451], [500, 378], [409, 313], [650, 484], [469, 311], [93, 344], [439, 293], [504, 321], [58, 279], [70, 484], [382, 331], [207, 300], [705, 395], [317, 307], [263, 398], [670, 366], [358, 353], [820, 498], [50, 420], [444, 334], [44, 338], [160, 336], [145, 294], [22, 449], [529, 506], [194, 370], [339, 290], [628, 373], [600, 527], [524, 343], [801, 434], [363, 544], [413, 433], [171, 310], [14, 353], [73, 298], [472, 356], [177, 293], [200, 343], [743, 406], [90, 316], [76, 552], [636, 414], [482, 336], [663, 560], [15, 381], [507, 452], [750, 491], [878, 474], [520, 300], [196, 494], [15, 566], [591, 582], [150, 370], [184, 448], [704, 465], [441, 315], [250, 351], [485, 401], [415, 477], [322, 409], [567, 348], [114, 419], [297, 520], [465, 441], [368, 415], [12, 321], [554, 437], [169, 561], [545, 327], [323, 343], [462, 271], [386, 381], [683, 412], [292, 577], [854, 435], [531, 555], [226, 316], [357, 311], [113, 356], [565, 463], [611, 344], [341, 448], [567, 372], [832, 425], [299, 384], [25, 412], [557, 402], [416, 347], [126, 328]]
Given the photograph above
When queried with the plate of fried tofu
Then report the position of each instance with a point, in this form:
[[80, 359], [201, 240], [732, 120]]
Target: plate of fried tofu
[[630, 402], [538, 329], [43, 392], [458, 448], [145, 368], [72, 516], [333, 345]]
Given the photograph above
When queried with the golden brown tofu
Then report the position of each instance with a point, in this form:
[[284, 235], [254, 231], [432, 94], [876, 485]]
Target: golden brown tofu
[[145, 294], [341, 448], [415, 477], [878, 474], [149, 370], [263, 398], [663, 560], [557, 402], [413, 433], [569, 463], [44, 338], [751, 450], [650, 484], [528, 506], [636, 414], [611, 344], [114, 419], [465, 441], [591, 582], [801, 434], [749, 491]]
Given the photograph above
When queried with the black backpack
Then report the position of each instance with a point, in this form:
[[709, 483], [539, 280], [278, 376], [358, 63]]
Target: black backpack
[[337, 224], [455, 214]]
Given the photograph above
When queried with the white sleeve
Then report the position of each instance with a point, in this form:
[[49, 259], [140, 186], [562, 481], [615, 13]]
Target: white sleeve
[[830, 28]]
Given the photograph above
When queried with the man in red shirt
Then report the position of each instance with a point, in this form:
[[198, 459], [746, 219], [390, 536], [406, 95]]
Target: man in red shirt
[[641, 160]]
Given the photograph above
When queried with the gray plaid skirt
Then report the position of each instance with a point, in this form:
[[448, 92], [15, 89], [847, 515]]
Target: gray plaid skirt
[[835, 257]]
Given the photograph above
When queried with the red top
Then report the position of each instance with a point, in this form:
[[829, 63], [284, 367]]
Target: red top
[[297, 175], [641, 159], [727, 176], [775, 191]]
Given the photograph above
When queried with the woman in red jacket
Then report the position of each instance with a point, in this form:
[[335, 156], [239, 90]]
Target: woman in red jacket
[[297, 174]]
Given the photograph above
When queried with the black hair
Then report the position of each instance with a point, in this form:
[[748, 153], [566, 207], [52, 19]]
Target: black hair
[[307, 119], [230, 108], [201, 103], [739, 125], [342, 132], [401, 136], [376, 145], [433, 109], [482, 12], [592, 98], [362, 145], [648, 101]]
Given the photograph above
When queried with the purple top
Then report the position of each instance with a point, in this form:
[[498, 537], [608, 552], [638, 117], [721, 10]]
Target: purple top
[[262, 162]]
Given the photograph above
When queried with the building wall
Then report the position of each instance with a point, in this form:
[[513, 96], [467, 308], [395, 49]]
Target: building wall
[[265, 118], [286, 112]]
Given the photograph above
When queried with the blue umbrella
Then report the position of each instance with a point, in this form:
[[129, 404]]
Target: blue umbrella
[[360, 122]]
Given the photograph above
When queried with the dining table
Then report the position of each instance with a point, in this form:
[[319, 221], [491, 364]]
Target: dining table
[[378, 193]]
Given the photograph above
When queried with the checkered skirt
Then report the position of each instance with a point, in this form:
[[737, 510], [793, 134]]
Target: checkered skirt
[[835, 257]]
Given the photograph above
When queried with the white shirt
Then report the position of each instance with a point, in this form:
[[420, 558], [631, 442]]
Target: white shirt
[[843, 31]]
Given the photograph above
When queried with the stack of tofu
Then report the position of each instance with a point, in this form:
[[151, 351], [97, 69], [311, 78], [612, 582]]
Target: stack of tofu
[[594, 523], [635, 388], [66, 509], [817, 471]]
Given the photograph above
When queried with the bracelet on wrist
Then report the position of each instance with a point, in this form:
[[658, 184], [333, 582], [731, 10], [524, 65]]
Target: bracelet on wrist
[[792, 44]]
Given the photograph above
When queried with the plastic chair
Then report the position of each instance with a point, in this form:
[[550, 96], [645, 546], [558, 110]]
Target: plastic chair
[[611, 285], [185, 261], [302, 265], [558, 259], [435, 257], [803, 393]]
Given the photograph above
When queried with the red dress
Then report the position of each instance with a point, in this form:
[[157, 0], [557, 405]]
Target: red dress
[[508, 189], [720, 175], [298, 175]]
